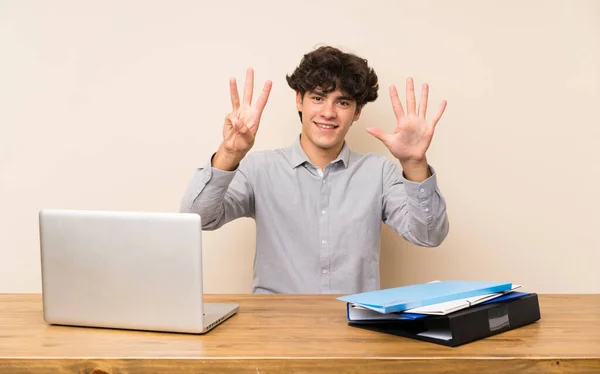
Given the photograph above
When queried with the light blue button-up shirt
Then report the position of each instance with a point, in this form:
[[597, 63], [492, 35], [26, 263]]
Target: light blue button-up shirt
[[318, 231]]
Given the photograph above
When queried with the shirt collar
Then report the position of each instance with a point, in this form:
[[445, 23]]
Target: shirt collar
[[299, 157]]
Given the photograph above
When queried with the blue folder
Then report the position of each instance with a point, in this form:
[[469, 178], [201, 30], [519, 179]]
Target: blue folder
[[401, 298], [375, 317]]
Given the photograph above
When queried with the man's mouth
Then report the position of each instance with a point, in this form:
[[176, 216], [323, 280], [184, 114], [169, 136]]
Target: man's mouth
[[326, 126]]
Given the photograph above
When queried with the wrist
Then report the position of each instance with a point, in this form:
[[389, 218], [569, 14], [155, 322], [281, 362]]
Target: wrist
[[416, 170], [224, 160]]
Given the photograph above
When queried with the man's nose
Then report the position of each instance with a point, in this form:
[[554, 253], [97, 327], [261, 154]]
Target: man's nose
[[328, 110]]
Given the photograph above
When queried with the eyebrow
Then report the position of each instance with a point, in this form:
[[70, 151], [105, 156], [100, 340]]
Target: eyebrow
[[341, 97]]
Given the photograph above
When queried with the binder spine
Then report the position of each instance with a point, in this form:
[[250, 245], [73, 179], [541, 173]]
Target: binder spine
[[494, 319]]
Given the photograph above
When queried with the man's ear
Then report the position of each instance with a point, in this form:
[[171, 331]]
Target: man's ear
[[299, 101], [358, 112]]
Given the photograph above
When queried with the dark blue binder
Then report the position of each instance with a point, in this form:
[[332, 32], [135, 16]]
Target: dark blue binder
[[504, 313]]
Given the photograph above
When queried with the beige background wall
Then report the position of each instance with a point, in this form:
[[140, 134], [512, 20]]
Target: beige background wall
[[112, 105]]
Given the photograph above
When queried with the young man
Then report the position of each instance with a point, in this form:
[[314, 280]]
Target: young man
[[318, 206]]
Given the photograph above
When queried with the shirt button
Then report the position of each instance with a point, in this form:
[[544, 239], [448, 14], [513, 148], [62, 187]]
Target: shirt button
[[323, 241], [324, 181], [422, 190], [325, 271], [323, 212], [426, 209]]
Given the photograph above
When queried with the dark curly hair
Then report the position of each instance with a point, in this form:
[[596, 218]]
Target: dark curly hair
[[327, 68]]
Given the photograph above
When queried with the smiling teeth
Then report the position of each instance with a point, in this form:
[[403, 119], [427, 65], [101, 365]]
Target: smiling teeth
[[326, 126]]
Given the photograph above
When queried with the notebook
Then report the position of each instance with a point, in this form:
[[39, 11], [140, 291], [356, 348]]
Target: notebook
[[357, 313], [419, 295], [127, 270]]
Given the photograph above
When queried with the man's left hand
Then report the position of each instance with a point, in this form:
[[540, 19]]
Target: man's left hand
[[413, 133]]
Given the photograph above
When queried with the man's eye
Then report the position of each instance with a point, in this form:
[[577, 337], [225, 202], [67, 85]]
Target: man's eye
[[344, 103], [317, 98]]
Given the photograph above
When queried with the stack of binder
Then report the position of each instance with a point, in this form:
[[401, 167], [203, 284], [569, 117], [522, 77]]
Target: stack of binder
[[450, 313]]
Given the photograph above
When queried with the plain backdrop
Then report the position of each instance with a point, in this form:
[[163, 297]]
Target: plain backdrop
[[112, 105]]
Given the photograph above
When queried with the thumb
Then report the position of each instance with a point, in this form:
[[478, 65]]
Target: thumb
[[240, 127], [379, 134], [245, 132]]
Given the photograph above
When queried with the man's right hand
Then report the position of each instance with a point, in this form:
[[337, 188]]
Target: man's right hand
[[241, 124]]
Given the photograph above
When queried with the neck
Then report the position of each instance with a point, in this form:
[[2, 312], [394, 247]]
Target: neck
[[320, 157]]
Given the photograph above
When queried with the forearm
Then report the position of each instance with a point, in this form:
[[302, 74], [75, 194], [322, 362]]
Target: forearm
[[205, 198], [426, 220], [416, 210], [217, 196]]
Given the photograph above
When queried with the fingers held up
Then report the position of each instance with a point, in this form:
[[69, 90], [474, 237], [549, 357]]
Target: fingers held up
[[411, 103]]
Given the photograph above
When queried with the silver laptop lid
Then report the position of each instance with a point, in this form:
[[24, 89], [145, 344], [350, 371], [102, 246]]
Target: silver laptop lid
[[129, 270]]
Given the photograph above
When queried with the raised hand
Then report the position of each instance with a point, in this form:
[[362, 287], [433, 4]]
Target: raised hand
[[241, 125], [411, 138]]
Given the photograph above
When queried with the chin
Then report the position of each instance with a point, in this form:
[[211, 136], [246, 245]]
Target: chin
[[327, 145]]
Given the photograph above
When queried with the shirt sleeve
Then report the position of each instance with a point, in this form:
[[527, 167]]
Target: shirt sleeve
[[219, 196], [417, 211]]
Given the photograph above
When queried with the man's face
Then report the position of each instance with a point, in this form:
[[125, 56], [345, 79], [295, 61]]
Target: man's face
[[326, 117]]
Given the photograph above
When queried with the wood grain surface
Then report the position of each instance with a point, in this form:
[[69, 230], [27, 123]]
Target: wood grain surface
[[299, 334]]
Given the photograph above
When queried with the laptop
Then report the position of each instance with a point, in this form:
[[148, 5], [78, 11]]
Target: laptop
[[125, 270]]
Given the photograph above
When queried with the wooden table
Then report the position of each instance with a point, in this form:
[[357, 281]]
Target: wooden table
[[299, 334]]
